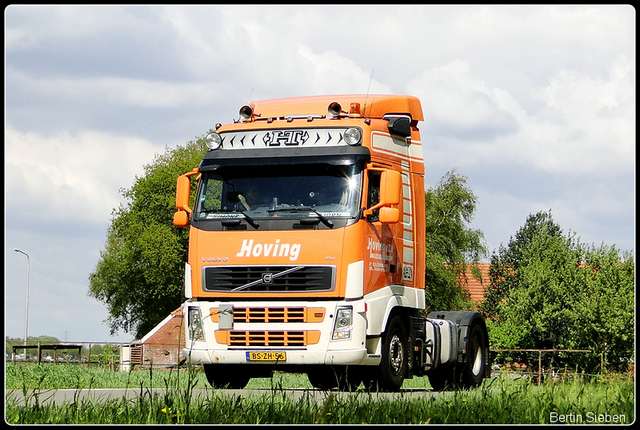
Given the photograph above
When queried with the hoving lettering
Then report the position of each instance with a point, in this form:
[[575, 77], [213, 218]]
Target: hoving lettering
[[277, 249]]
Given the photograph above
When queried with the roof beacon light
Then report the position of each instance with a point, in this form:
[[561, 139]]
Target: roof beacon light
[[335, 109], [354, 109], [246, 113]]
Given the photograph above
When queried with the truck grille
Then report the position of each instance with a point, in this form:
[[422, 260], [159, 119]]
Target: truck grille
[[267, 338], [268, 315], [269, 278], [273, 315]]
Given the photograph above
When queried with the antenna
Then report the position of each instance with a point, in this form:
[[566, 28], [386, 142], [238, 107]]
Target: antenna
[[249, 98], [364, 109]]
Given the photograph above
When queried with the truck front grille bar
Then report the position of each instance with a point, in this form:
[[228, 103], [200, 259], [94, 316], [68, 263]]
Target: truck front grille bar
[[267, 338], [273, 315], [268, 278]]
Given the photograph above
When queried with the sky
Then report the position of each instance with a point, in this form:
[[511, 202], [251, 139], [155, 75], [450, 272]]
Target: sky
[[534, 105]]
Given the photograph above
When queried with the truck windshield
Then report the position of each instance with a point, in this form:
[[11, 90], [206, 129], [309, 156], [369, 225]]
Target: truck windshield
[[321, 191]]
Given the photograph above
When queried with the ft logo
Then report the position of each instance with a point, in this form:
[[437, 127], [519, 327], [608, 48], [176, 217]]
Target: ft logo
[[286, 137]]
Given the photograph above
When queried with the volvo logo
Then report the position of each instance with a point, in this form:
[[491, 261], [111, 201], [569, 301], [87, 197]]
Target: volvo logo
[[267, 278], [286, 137]]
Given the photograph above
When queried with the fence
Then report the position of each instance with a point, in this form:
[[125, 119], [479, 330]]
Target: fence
[[117, 360], [120, 355], [76, 347], [42, 347], [540, 373]]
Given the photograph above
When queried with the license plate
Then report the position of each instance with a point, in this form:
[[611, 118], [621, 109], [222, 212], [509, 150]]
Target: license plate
[[266, 356]]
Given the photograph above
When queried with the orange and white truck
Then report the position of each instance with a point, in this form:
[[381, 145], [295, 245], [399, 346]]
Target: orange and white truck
[[306, 250]]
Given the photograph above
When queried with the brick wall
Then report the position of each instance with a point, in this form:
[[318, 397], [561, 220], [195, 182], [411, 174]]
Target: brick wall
[[163, 345]]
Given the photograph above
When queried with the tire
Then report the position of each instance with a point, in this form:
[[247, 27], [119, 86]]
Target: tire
[[463, 375], [442, 378], [395, 354], [324, 378], [357, 375], [346, 378], [369, 379], [471, 373], [225, 376]]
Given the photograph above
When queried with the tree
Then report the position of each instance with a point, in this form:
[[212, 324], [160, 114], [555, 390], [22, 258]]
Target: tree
[[140, 273], [450, 242], [549, 291], [504, 271], [604, 317]]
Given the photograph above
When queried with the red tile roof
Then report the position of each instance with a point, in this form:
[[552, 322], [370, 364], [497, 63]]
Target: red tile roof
[[474, 286]]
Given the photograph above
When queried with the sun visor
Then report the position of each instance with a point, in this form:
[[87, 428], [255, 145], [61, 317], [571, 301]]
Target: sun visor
[[337, 156]]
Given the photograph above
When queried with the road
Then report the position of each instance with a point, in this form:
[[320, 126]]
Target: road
[[45, 397]]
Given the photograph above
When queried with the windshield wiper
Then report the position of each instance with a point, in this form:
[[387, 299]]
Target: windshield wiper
[[321, 217], [247, 218], [250, 220]]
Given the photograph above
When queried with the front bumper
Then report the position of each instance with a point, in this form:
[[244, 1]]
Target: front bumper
[[294, 357], [223, 342]]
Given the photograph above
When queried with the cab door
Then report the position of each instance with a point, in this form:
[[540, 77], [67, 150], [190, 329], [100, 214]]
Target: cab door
[[381, 247]]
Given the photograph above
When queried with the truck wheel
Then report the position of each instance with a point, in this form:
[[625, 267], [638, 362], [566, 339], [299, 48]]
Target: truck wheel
[[472, 372], [224, 376], [356, 375], [395, 352], [324, 378], [441, 379]]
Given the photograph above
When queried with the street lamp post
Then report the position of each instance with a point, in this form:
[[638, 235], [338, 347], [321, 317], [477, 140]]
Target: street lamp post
[[26, 305]]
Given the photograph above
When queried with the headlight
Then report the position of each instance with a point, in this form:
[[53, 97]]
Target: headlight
[[213, 140], [195, 324], [352, 136], [343, 323]]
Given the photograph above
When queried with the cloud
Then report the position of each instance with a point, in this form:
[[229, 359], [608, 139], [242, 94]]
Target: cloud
[[331, 73], [583, 124], [456, 105], [71, 177], [573, 151], [597, 130], [81, 41]]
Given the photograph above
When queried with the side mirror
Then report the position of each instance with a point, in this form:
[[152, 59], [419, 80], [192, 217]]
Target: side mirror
[[399, 125], [390, 184], [183, 194], [389, 215], [181, 219]]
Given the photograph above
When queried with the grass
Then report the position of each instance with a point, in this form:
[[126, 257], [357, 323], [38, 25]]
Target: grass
[[72, 376], [497, 401]]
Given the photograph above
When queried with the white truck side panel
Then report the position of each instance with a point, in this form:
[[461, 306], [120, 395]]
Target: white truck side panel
[[380, 302], [355, 280]]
